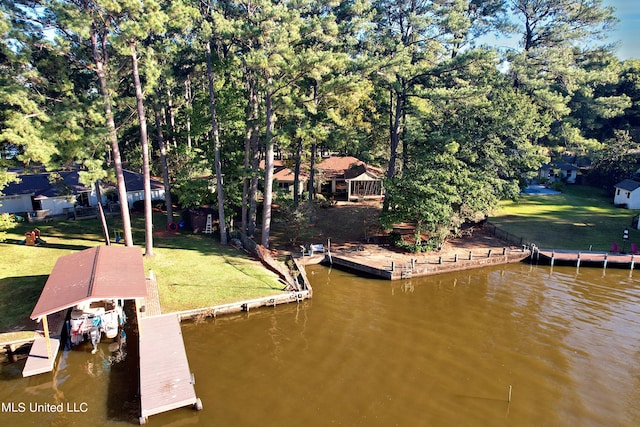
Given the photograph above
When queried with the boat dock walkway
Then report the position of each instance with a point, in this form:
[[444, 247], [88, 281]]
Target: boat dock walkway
[[166, 382], [43, 354], [577, 258]]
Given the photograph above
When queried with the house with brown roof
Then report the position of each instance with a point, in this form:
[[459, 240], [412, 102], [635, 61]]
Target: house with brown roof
[[346, 177], [284, 177]]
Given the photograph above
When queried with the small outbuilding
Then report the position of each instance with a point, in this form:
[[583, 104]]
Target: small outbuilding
[[627, 194]]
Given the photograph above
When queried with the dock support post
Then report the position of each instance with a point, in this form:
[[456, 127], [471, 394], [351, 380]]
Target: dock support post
[[605, 261], [578, 261], [455, 258], [632, 261], [45, 326], [553, 255]]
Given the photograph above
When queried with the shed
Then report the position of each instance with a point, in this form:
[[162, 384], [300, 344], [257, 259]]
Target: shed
[[627, 194]]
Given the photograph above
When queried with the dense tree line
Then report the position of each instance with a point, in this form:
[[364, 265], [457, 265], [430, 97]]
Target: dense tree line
[[202, 92]]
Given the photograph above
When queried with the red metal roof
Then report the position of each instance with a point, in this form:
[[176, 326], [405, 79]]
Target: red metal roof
[[102, 272]]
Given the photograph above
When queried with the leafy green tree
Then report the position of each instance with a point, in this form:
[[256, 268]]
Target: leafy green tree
[[615, 162]]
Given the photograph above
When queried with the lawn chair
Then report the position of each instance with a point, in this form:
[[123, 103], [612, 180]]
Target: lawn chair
[[614, 247]]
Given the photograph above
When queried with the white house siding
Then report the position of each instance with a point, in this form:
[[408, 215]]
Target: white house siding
[[569, 175], [133, 196], [15, 204], [626, 197], [57, 205]]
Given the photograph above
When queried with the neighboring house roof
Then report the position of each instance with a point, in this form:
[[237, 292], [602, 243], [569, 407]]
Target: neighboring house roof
[[135, 181], [98, 273], [559, 165], [40, 187], [335, 166], [566, 167], [628, 184], [359, 171], [346, 167], [284, 174]]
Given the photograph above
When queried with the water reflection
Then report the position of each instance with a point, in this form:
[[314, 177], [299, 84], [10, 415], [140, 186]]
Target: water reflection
[[441, 350]]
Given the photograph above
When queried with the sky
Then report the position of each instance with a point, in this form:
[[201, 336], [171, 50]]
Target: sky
[[628, 29]]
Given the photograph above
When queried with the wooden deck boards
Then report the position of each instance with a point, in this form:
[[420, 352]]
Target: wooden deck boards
[[165, 378], [38, 361]]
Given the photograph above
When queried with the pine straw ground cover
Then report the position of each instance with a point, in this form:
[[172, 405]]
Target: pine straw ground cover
[[193, 271]]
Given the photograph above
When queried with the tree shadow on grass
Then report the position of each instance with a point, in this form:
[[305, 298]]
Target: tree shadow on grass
[[50, 245], [18, 297]]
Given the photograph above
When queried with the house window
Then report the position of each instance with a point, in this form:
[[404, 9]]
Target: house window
[[83, 198], [36, 204], [628, 194], [618, 193]]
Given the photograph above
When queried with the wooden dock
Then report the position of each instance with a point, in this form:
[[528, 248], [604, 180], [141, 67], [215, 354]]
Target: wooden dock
[[166, 382], [588, 258], [402, 267], [43, 354]]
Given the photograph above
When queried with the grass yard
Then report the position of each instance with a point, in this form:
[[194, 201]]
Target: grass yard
[[192, 270], [578, 218]]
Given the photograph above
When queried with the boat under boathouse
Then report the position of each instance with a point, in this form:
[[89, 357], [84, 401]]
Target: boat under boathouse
[[83, 280]]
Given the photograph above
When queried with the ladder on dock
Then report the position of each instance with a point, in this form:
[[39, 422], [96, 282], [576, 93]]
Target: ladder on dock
[[166, 383]]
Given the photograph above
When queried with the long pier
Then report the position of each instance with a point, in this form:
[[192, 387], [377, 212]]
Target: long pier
[[166, 382], [590, 258]]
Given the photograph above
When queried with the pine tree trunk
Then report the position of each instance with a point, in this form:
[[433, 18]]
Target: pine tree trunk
[[163, 162], [216, 146], [248, 196], [296, 174], [268, 171], [100, 57], [144, 140]]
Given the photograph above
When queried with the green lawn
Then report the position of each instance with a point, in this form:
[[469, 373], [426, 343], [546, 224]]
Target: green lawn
[[579, 218], [193, 271]]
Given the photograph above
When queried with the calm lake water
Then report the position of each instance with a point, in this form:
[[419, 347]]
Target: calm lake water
[[437, 351]]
